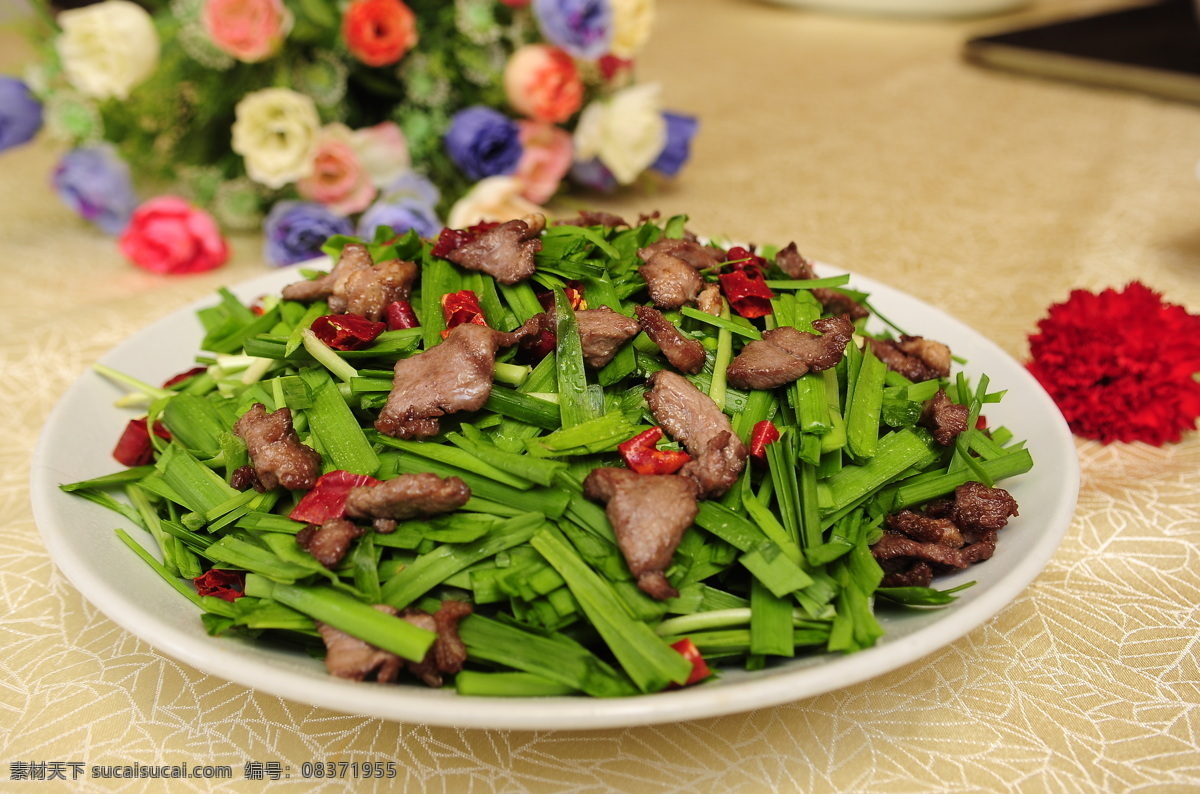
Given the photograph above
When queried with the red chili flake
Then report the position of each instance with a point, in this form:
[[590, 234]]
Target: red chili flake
[[134, 447], [327, 499], [175, 380], [534, 347], [400, 315], [740, 259], [641, 454], [1120, 365], [764, 433], [226, 585], [346, 331], [573, 290], [461, 307], [700, 670], [747, 292]]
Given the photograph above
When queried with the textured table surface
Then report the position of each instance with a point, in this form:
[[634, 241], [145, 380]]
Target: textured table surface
[[874, 146]]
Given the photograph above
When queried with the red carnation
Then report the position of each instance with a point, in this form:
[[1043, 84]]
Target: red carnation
[[1120, 365]]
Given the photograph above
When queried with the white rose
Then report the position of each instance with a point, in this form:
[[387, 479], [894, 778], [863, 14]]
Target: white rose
[[632, 20], [275, 132], [496, 198], [627, 131], [107, 48]]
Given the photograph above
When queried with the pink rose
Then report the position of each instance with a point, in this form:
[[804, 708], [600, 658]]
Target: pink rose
[[249, 30], [338, 179], [383, 152], [168, 235], [547, 152], [542, 82]]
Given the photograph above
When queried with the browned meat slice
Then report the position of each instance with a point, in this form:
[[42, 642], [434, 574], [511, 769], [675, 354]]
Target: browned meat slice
[[329, 543], [275, 450], [914, 357], [505, 252], [690, 417], [649, 514], [350, 657], [594, 218], [448, 652], [791, 262], [786, 353], [453, 376], [354, 257], [947, 535], [670, 281], [686, 355], [945, 418], [710, 301], [407, 496], [368, 292], [700, 257], [602, 332]]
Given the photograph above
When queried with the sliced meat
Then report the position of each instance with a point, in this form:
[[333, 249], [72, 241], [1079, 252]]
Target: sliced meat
[[407, 496], [690, 417], [349, 657], [329, 543], [947, 419], [710, 301], [792, 263], [448, 652], [786, 353], [453, 376], [594, 218], [926, 529], [367, 292], [670, 281], [698, 256], [354, 257], [914, 357], [506, 252], [686, 355], [275, 450], [978, 508], [602, 331], [907, 574], [649, 514]]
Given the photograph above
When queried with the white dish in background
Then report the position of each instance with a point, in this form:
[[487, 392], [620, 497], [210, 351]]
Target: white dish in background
[[80, 433], [909, 8]]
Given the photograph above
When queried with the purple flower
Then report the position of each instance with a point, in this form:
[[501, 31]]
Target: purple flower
[[594, 175], [483, 142], [399, 216], [20, 113], [581, 27], [680, 131], [95, 182], [296, 230]]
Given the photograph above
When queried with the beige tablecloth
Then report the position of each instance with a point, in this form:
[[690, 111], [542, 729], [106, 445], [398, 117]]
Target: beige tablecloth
[[872, 144]]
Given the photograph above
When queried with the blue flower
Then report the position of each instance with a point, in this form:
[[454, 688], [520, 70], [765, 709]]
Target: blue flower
[[296, 230], [581, 27], [680, 131], [594, 175], [95, 182], [20, 113], [399, 216], [483, 142]]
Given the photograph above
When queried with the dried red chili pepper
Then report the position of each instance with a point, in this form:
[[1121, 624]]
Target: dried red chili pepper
[[134, 447], [450, 239], [747, 292], [461, 307], [346, 331], [175, 380], [641, 454], [573, 290], [226, 585], [764, 433], [400, 315], [327, 499], [739, 258], [689, 651]]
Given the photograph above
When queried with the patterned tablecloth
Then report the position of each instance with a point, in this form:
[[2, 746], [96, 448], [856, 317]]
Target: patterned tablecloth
[[877, 148]]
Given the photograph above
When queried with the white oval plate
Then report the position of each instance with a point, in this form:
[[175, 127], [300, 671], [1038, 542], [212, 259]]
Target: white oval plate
[[78, 438]]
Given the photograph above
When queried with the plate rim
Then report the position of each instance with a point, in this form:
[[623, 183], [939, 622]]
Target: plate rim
[[444, 708]]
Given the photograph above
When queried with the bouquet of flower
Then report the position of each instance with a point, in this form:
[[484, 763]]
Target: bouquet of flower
[[319, 117]]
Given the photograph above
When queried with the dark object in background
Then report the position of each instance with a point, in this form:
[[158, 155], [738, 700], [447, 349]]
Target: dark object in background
[[1153, 49]]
